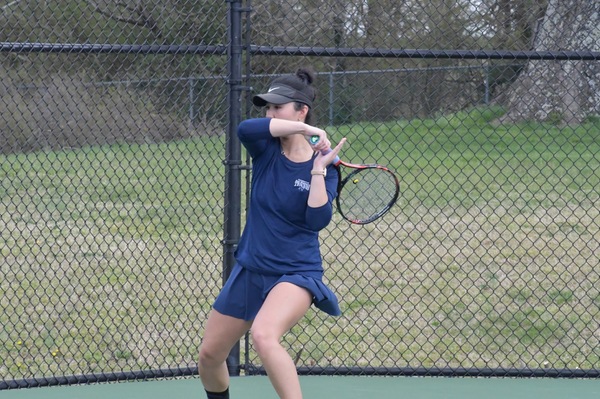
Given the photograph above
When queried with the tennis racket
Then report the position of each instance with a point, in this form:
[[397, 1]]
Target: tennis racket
[[366, 193]]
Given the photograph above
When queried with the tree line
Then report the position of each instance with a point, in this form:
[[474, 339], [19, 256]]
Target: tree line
[[433, 24], [388, 24]]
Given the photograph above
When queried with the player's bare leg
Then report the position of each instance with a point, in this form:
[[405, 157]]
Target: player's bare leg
[[220, 335], [285, 305]]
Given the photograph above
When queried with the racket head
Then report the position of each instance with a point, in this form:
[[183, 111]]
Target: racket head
[[367, 193]]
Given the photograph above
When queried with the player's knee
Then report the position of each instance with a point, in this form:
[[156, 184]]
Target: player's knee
[[263, 340], [209, 357]]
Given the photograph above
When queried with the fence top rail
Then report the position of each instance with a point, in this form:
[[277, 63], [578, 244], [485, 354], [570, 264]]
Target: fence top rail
[[425, 53], [562, 55], [29, 47]]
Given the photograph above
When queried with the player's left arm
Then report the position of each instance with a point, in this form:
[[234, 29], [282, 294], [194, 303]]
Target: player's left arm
[[318, 195]]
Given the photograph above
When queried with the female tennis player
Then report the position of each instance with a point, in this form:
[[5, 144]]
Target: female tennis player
[[278, 271]]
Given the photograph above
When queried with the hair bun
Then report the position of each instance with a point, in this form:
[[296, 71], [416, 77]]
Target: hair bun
[[306, 75]]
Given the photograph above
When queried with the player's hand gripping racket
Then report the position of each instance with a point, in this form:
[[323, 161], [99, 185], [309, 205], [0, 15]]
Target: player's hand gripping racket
[[366, 193]]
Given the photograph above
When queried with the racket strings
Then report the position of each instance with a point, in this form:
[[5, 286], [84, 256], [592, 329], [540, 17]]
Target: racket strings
[[367, 193]]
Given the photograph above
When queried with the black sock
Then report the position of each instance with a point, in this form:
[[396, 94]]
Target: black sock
[[218, 395]]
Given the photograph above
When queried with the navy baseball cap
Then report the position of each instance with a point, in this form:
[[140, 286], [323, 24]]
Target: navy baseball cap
[[281, 94]]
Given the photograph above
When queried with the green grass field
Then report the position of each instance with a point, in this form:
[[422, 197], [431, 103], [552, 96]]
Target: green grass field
[[111, 255]]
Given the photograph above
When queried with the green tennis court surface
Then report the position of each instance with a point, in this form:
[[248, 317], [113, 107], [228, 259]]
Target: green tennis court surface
[[323, 387]]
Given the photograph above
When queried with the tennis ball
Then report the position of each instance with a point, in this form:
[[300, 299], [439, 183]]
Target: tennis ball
[[355, 181]]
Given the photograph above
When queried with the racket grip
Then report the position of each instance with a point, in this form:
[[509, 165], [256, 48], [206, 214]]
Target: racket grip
[[314, 140]]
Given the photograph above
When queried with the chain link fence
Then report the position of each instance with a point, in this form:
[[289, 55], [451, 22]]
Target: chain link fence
[[118, 172]]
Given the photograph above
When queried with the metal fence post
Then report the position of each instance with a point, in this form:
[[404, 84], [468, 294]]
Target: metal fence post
[[487, 71], [191, 98], [232, 222], [331, 98]]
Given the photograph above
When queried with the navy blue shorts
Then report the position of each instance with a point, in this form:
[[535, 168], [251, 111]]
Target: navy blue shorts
[[245, 291]]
